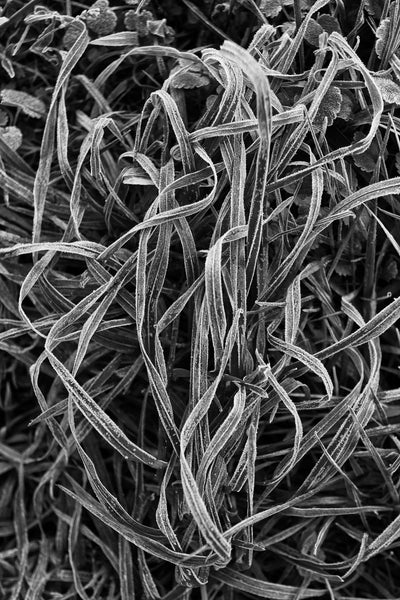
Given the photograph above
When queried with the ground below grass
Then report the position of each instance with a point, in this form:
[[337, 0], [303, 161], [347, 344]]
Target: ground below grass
[[199, 300]]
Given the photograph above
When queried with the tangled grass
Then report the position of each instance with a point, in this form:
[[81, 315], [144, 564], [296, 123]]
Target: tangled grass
[[199, 257]]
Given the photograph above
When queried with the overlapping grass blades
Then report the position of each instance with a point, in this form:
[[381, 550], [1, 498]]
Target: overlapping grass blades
[[214, 406]]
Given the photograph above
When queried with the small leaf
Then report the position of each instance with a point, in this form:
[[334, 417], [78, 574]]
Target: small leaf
[[305, 5], [272, 8], [210, 100], [100, 18], [138, 22], [329, 24], [190, 78], [329, 107], [101, 4], [313, 32], [367, 160], [382, 34], [374, 8], [288, 27], [347, 107], [71, 34], [159, 28], [343, 269], [389, 90], [30, 105], [12, 136], [220, 8], [390, 270]]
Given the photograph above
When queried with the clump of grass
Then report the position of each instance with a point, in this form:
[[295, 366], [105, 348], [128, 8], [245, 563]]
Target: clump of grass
[[199, 306]]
